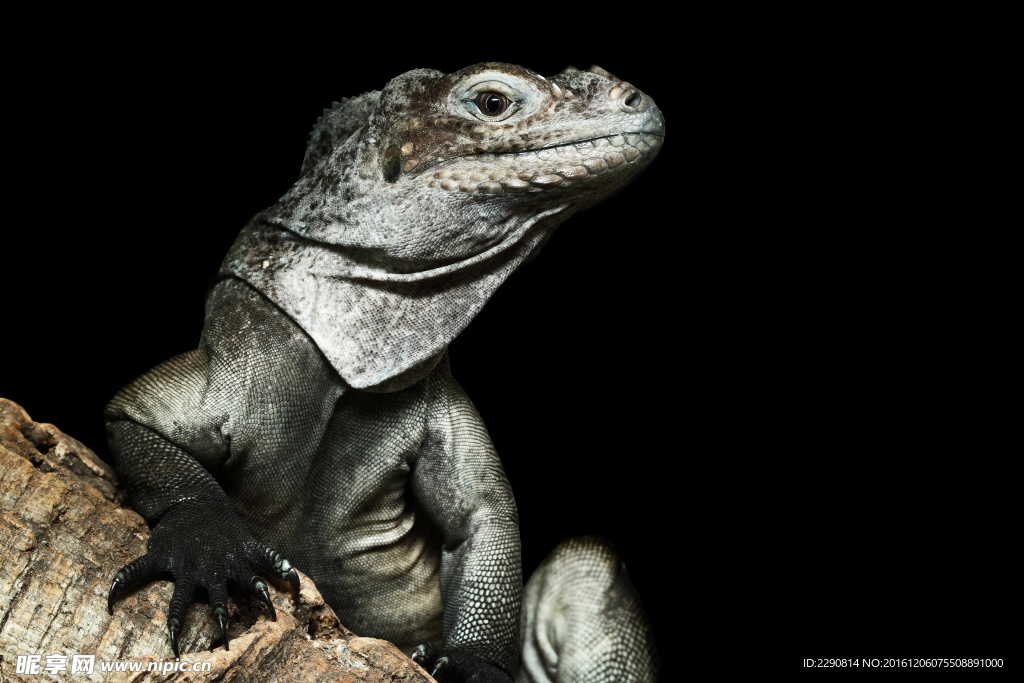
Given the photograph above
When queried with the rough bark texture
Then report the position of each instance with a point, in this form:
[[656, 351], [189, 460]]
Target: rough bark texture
[[65, 530]]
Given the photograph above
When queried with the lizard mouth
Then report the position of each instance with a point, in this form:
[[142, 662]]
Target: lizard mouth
[[543, 168]]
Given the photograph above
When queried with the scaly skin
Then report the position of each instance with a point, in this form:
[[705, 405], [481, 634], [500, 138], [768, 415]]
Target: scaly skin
[[318, 419], [583, 620]]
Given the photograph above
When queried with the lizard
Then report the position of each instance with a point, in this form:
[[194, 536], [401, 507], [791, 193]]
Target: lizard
[[318, 421]]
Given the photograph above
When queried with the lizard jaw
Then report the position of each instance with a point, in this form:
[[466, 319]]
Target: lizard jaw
[[554, 166]]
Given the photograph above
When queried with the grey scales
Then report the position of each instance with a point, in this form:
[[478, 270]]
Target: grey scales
[[318, 423]]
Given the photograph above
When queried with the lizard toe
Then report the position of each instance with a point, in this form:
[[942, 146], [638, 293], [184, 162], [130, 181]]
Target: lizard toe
[[441, 669], [174, 627], [256, 588], [259, 586], [274, 563], [459, 666], [141, 570], [184, 589], [425, 655], [221, 613]]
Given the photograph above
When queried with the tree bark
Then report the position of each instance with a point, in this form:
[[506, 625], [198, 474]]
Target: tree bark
[[66, 529]]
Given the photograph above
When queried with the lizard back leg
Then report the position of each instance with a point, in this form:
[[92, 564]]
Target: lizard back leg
[[582, 619]]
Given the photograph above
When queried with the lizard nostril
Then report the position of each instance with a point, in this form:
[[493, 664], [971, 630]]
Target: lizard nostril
[[634, 100]]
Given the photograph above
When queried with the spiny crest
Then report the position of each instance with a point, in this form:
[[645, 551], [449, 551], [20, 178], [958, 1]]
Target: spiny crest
[[336, 125]]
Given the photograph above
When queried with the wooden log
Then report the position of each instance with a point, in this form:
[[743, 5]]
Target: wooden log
[[65, 530]]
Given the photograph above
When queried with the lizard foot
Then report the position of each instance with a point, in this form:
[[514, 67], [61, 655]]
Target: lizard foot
[[457, 666], [201, 547]]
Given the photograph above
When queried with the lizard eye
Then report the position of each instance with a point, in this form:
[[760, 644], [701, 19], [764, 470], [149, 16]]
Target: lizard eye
[[491, 103]]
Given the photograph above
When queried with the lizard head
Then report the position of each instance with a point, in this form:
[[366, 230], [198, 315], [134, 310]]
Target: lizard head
[[415, 203], [498, 130], [440, 167]]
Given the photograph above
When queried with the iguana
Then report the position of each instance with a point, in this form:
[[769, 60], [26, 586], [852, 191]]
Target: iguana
[[318, 419]]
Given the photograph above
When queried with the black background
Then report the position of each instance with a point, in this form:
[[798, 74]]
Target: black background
[[749, 369]]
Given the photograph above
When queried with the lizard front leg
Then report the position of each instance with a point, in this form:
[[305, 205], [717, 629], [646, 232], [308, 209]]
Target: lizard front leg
[[256, 395], [197, 536], [459, 482]]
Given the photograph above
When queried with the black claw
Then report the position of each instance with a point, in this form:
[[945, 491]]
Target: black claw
[[222, 616], [260, 587], [441, 666], [265, 596], [293, 578], [115, 588], [424, 654], [173, 626]]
